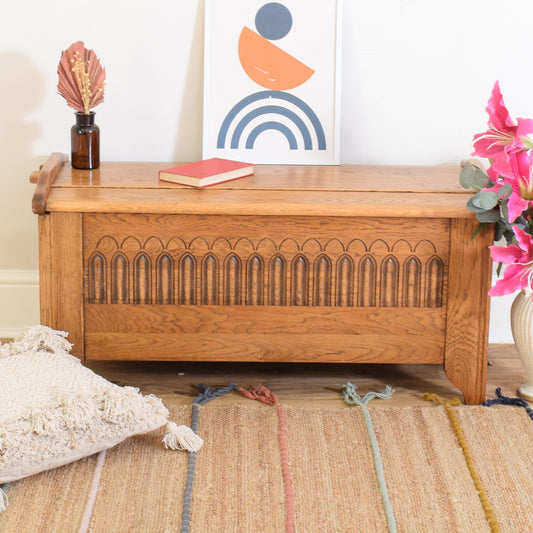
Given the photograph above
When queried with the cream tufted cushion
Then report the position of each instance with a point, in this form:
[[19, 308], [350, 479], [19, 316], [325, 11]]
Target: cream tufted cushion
[[53, 410]]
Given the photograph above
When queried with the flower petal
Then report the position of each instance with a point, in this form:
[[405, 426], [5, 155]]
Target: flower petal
[[515, 205], [501, 165], [512, 281], [524, 240], [484, 146], [524, 127], [498, 114], [506, 254]]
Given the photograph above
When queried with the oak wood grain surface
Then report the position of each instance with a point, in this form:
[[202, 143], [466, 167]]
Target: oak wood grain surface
[[250, 202], [187, 319], [344, 190], [370, 178]]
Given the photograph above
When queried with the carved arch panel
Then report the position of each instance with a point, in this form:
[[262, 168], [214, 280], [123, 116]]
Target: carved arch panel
[[97, 278], [120, 293], [265, 271], [142, 279]]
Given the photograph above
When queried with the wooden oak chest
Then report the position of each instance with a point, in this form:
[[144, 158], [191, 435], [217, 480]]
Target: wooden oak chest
[[362, 264]]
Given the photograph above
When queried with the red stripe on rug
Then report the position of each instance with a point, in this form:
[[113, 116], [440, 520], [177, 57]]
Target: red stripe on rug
[[262, 394]]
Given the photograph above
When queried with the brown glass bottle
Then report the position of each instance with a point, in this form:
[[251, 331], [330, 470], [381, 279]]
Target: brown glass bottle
[[85, 142]]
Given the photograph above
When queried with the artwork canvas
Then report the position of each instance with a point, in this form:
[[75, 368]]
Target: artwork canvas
[[272, 81]]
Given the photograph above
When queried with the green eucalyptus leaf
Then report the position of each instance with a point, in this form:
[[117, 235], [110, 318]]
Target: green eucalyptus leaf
[[488, 199], [490, 217], [505, 191], [476, 200], [473, 177], [479, 228], [471, 205]]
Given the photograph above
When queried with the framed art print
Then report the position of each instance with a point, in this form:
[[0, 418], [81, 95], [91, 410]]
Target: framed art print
[[272, 81]]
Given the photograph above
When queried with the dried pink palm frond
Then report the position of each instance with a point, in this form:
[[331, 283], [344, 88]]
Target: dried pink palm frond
[[81, 78]]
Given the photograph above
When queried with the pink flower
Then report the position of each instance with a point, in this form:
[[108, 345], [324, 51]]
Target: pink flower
[[521, 164], [519, 258], [521, 180], [503, 136]]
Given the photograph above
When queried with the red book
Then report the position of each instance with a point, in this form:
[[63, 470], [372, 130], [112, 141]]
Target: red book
[[206, 172]]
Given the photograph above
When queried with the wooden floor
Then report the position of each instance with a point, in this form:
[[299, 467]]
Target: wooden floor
[[310, 384]]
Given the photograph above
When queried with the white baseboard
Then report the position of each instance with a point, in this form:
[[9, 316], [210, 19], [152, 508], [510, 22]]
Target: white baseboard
[[19, 301]]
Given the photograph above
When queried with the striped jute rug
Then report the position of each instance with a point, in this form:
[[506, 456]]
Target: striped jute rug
[[240, 484]]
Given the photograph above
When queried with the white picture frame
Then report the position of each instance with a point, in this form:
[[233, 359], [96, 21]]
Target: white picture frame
[[272, 81]]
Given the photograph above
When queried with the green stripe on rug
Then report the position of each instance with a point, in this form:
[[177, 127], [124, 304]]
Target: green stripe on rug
[[351, 397]]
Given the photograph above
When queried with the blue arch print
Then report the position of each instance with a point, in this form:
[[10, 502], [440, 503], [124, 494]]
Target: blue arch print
[[273, 109], [230, 117], [272, 125]]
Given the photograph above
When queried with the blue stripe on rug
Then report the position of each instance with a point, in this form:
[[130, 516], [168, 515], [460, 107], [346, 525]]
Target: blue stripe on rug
[[506, 400], [206, 395]]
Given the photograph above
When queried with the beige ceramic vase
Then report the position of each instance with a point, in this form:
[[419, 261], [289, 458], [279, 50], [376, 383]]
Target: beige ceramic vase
[[522, 327]]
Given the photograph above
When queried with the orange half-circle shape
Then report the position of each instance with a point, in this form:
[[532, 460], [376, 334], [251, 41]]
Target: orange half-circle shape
[[268, 65]]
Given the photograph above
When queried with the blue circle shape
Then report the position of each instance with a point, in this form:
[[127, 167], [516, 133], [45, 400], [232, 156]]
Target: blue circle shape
[[273, 21]]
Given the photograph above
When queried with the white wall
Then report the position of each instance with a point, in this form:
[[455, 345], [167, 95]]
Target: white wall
[[416, 77]]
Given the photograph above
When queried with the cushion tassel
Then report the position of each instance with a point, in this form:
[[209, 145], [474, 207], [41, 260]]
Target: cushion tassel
[[182, 438], [4, 502]]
